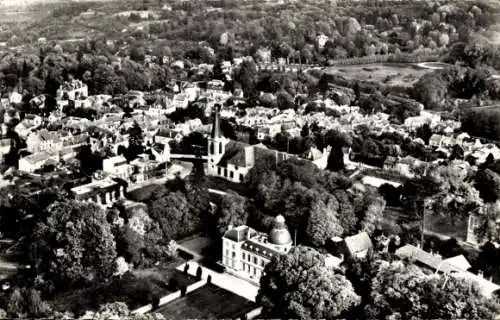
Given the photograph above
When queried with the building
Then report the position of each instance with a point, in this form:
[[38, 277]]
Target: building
[[118, 167], [457, 266], [44, 140], [245, 252], [72, 90], [357, 246], [232, 160], [36, 161], [101, 191], [144, 168]]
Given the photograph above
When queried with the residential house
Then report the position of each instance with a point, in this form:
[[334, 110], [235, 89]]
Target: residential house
[[164, 136], [5, 147], [320, 159], [117, 166], [455, 266], [44, 140], [441, 141], [246, 252], [161, 152], [356, 246], [100, 191], [262, 133], [36, 161], [72, 90], [144, 168]]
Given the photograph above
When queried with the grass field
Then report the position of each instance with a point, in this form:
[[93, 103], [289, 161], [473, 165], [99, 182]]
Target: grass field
[[391, 74], [136, 289], [208, 302]]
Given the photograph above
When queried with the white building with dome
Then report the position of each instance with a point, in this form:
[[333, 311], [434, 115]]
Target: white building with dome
[[245, 251]]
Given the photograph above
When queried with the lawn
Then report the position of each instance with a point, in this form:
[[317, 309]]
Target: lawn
[[135, 289], [454, 228], [224, 185], [391, 74], [208, 302], [197, 243]]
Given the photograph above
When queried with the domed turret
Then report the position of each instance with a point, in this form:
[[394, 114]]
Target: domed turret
[[279, 235]]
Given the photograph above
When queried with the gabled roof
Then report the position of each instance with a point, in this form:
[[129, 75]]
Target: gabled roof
[[459, 262], [234, 154], [359, 245]]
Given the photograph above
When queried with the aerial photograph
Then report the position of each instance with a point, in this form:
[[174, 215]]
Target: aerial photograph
[[250, 159]]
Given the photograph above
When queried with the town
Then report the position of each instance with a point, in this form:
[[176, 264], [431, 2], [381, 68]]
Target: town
[[195, 160]]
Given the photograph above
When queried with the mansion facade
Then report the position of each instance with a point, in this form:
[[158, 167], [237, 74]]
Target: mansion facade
[[245, 251]]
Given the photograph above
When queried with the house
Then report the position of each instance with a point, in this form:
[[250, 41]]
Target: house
[[454, 266], [118, 167], [245, 251], [144, 168], [101, 191], [72, 90], [356, 246], [164, 136], [262, 133], [36, 161], [320, 159], [44, 140], [161, 152]]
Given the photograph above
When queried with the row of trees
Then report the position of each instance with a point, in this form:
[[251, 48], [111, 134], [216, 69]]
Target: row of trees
[[377, 288]]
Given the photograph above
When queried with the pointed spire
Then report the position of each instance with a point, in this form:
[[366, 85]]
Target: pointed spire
[[216, 124]]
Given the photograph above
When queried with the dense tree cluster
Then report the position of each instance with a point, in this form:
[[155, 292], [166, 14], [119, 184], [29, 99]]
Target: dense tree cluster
[[378, 287], [308, 197]]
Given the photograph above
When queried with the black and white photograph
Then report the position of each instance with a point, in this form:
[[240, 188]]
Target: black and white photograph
[[250, 159]]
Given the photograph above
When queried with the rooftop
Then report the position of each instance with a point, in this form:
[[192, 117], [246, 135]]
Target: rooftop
[[98, 184]]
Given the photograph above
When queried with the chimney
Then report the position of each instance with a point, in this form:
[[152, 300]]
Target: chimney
[[480, 273]]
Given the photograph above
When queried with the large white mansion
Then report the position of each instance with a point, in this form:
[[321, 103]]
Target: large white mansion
[[245, 252]]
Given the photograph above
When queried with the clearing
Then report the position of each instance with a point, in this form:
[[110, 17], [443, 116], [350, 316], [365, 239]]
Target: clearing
[[391, 74], [135, 289]]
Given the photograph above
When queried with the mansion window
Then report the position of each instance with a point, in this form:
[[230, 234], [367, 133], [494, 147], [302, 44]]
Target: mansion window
[[231, 174], [219, 171], [227, 252], [212, 148], [241, 176], [255, 260], [234, 254], [225, 172], [243, 255]]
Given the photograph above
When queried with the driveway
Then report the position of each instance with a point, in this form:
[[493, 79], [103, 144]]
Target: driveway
[[225, 281]]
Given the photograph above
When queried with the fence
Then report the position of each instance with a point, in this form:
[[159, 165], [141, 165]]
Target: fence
[[170, 297]]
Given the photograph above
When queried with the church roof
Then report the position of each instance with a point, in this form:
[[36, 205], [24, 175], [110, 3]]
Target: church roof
[[234, 154]]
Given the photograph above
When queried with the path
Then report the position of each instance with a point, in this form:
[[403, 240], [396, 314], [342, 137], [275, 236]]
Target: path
[[224, 280]]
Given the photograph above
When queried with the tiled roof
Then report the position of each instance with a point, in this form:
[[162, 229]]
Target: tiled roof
[[237, 234], [259, 249], [359, 244], [234, 154]]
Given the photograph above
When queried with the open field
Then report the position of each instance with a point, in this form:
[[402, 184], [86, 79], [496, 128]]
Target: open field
[[208, 302], [391, 74], [136, 289]]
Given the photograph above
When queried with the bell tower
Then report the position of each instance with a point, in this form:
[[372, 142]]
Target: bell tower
[[216, 143]]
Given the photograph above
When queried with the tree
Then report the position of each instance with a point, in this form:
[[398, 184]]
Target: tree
[[73, 245], [27, 303], [232, 211], [488, 184], [246, 76], [135, 142], [322, 224], [298, 285], [305, 131], [399, 290], [424, 132]]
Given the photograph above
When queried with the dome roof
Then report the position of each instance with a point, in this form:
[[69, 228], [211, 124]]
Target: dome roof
[[279, 235]]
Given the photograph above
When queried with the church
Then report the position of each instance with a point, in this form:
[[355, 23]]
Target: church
[[232, 160]]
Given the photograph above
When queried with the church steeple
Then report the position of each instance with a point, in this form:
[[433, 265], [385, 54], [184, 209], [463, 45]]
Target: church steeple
[[216, 124]]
